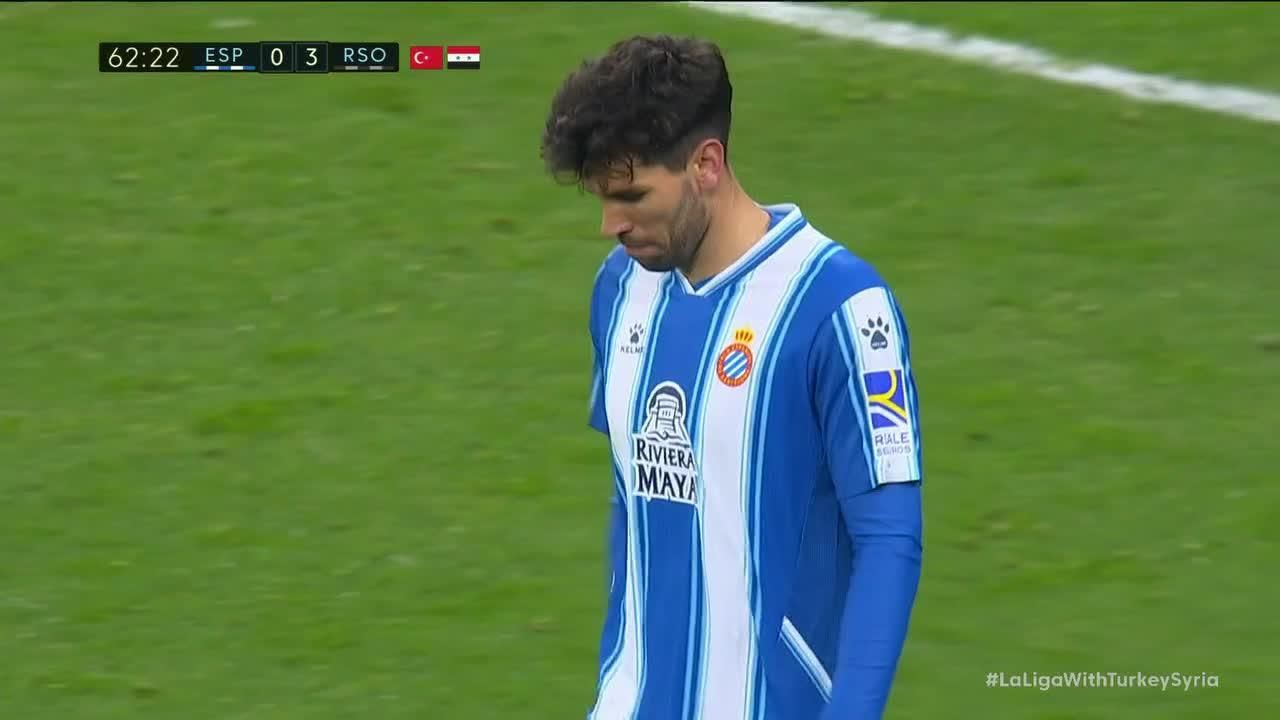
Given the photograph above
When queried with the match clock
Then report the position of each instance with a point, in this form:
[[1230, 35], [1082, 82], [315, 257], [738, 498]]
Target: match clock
[[143, 57]]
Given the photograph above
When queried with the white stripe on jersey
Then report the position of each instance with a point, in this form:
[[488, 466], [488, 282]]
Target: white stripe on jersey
[[620, 691], [731, 647], [808, 660]]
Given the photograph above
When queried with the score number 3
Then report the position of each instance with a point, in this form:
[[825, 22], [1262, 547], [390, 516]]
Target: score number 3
[[313, 57]]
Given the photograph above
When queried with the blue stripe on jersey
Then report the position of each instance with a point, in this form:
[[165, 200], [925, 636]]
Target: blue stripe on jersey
[[761, 405], [644, 381], [693, 642], [695, 669], [843, 325], [597, 387], [909, 390], [642, 523], [616, 612]]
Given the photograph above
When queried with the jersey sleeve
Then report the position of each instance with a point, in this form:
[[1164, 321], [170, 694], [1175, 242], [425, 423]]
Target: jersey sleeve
[[868, 413], [596, 417], [865, 394]]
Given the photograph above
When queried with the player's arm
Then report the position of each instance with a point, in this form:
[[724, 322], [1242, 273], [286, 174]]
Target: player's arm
[[596, 318], [616, 545], [864, 392], [595, 414], [616, 576]]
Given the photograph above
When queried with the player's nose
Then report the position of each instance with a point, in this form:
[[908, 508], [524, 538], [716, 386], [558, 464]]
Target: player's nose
[[614, 226]]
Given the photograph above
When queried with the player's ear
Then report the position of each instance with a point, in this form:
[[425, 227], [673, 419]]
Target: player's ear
[[707, 164]]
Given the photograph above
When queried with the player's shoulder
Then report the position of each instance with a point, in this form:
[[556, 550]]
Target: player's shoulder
[[845, 277], [607, 285], [849, 301], [611, 268]]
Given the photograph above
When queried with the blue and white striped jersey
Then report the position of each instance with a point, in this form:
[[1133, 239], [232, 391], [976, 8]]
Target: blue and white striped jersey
[[747, 418]]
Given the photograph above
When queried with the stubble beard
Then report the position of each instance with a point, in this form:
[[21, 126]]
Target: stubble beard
[[689, 225]]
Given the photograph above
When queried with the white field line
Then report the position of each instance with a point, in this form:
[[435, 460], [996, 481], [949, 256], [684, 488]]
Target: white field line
[[860, 25]]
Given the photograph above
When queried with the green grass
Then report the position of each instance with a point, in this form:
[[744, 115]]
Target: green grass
[[1222, 42], [293, 393]]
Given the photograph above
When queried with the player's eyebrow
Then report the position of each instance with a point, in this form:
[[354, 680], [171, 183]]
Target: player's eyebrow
[[627, 193]]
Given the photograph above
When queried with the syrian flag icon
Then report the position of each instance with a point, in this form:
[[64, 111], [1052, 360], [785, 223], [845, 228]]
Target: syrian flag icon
[[463, 57]]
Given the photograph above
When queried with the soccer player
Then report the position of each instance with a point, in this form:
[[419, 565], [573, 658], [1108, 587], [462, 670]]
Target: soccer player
[[753, 378]]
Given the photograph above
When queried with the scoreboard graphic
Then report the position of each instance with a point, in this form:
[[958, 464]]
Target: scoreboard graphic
[[296, 57]]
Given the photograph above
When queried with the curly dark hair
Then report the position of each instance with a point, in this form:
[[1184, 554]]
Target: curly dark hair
[[649, 100]]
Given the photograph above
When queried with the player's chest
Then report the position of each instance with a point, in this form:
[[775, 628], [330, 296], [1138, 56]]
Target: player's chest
[[689, 387], [673, 361]]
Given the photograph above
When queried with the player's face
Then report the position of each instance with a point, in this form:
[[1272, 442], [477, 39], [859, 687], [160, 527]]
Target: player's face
[[657, 215]]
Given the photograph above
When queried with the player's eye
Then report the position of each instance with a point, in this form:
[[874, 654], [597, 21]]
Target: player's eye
[[631, 196]]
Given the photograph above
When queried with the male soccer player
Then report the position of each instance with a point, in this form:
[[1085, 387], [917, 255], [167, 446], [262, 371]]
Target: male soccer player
[[753, 378]]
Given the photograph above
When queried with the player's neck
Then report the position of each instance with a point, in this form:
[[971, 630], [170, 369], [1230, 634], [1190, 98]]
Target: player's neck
[[737, 224]]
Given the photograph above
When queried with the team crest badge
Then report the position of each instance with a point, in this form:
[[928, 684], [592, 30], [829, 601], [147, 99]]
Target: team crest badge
[[736, 361]]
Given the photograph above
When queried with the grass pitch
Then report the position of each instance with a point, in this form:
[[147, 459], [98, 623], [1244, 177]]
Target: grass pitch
[[292, 403]]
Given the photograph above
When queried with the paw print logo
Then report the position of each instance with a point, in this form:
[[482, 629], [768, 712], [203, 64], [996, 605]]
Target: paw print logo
[[878, 331], [635, 340]]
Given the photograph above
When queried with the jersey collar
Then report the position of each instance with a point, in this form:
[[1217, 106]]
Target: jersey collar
[[768, 244]]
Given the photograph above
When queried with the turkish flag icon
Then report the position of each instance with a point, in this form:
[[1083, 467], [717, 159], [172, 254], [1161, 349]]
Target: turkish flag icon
[[426, 57]]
